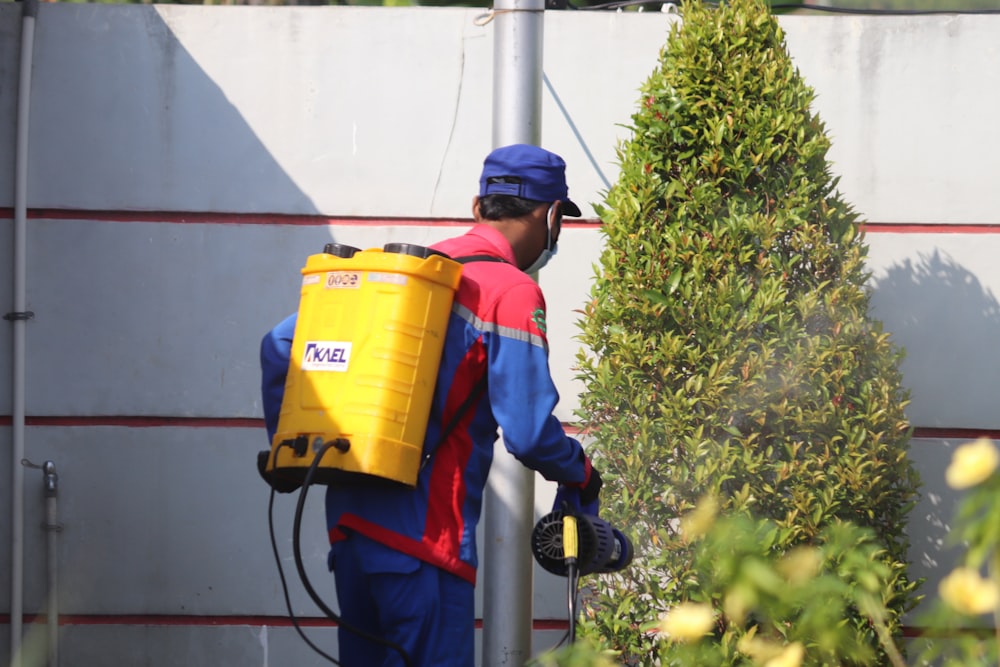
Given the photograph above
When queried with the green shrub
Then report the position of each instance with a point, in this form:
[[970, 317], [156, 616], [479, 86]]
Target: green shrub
[[729, 350]]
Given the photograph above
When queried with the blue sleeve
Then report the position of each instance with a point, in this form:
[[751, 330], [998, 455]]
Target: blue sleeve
[[275, 353], [523, 395]]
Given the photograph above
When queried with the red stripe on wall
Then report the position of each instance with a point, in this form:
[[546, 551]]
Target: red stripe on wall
[[256, 423], [154, 620], [223, 218], [209, 218], [918, 432], [935, 228], [956, 433], [141, 422], [173, 620]]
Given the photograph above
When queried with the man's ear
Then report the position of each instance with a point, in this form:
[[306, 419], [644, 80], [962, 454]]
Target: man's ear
[[475, 206], [556, 213]]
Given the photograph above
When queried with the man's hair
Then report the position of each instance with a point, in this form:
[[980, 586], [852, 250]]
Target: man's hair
[[499, 207]]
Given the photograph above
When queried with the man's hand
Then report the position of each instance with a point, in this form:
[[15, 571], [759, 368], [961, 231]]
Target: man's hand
[[582, 499], [591, 488]]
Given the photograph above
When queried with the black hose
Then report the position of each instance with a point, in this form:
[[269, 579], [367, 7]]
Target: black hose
[[572, 579], [284, 583], [296, 544]]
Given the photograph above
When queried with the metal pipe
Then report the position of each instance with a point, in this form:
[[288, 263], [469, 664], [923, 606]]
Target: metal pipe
[[507, 566], [18, 319], [52, 529], [517, 72], [510, 494]]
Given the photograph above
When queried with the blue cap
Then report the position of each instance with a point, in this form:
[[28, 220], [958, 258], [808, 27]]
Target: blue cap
[[529, 172]]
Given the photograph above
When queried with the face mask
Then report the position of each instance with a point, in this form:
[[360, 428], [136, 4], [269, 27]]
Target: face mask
[[550, 248], [542, 260]]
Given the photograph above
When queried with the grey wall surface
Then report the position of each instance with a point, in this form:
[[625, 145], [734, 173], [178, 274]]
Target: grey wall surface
[[910, 106], [351, 112], [185, 160]]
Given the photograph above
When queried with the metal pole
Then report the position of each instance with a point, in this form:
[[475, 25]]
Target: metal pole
[[52, 529], [18, 319], [510, 494], [517, 72]]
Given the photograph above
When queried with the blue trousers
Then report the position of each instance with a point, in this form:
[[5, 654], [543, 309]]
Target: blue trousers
[[428, 612]]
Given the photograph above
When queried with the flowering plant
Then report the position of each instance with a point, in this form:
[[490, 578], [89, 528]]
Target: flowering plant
[[756, 606], [972, 590]]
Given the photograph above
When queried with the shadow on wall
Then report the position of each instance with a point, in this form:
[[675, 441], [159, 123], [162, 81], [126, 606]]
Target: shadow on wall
[[932, 554], [935, 299], [923, 302], [125, 118]]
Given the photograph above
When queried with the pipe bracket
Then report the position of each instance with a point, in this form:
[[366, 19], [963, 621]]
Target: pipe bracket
[[23, 315]]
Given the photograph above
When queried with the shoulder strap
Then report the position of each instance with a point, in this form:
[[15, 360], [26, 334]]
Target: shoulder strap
[[480, 387], [479, 258], [464, 408]]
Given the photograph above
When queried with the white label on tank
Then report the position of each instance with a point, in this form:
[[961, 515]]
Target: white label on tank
[[343, 280], [326, 355], [310, 279], [393, 278]]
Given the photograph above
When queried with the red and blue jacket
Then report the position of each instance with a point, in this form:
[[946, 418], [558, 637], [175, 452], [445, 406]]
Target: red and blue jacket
[[497, 330]]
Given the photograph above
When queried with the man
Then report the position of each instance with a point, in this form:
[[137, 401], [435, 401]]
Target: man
[[405, 560]]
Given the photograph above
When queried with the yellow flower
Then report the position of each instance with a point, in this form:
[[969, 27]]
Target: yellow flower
[[965, 591], [760, 650], [972, 463], [738, 602], [696, 523], [790, 657], [800, 564], [687, 621]]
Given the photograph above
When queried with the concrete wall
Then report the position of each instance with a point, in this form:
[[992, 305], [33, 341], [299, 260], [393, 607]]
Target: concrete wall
[[184, 161]]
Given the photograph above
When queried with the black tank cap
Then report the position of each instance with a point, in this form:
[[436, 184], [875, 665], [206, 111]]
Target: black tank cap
[[340, 250], [420, 251]]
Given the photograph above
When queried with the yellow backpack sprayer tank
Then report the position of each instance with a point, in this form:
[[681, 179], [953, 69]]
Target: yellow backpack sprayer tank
[[364, 361]]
